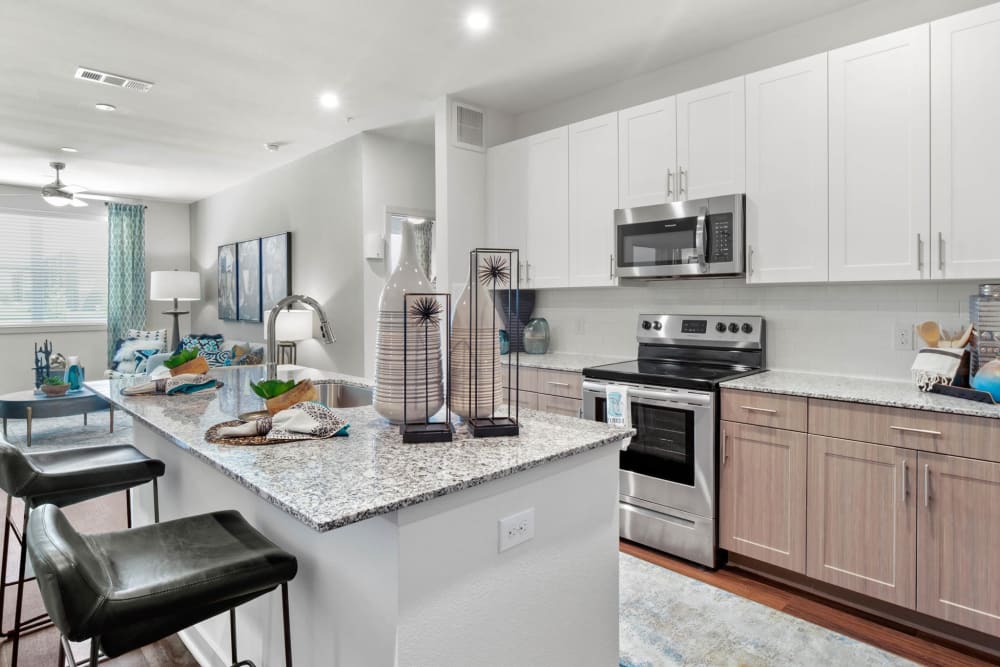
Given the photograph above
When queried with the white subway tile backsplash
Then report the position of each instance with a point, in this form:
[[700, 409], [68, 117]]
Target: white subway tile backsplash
[[827, 328]]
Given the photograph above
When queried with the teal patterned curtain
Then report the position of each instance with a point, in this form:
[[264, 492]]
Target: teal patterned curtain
[[126, 270]]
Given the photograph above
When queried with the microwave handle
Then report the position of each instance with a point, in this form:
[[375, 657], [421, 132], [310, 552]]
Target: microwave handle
[[701, 238]]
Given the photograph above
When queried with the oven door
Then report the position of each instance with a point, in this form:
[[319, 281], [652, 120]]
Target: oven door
[[671, 459]]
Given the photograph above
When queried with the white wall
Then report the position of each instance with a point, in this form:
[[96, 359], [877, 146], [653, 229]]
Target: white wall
[[395, 174], [319, 200], [167, 247], [854, 24], [844, 329]]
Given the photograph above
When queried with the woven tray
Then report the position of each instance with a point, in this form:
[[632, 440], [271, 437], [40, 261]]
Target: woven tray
[[212, 436]]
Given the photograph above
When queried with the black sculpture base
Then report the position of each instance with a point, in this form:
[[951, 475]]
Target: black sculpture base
[[492, 427], [434, 432]]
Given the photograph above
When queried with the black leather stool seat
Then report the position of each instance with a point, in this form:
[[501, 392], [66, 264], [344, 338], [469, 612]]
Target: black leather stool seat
[[67, 476], [134, 587]]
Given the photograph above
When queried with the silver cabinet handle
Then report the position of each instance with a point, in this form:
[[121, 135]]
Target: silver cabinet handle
[[670, 185], [681, 181], [927, 482], [527, 274], [611, 266], [904, 482], [521, 277], [940, 251], [558, 384], [753, 409], [920, 253], [750, 260], [724, 456], [907, 429]]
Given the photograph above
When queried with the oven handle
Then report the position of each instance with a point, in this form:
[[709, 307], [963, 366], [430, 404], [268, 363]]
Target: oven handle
[[697, 400]]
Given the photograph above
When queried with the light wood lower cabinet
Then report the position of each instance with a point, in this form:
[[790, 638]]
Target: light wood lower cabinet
[[558, 392], [763, 494], [862, 509], [958, 541], [559, 405]]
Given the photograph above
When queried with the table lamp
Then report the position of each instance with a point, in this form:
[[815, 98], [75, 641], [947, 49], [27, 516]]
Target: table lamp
[[291, 327], [175, 286]]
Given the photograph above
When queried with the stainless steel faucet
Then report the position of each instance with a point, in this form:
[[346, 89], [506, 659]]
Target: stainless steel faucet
[[272, 345]]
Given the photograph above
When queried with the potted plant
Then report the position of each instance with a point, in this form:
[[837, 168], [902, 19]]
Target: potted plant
[[186, 361], [54, 386], [281, 394]]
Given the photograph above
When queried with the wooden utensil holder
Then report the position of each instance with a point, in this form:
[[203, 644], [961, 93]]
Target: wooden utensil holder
[[302, 392], [196, 366]]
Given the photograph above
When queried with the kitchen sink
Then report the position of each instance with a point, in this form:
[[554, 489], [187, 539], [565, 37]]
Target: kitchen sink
[[337, 395]]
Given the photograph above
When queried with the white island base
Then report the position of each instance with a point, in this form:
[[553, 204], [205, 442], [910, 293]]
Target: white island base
[[424, 585]]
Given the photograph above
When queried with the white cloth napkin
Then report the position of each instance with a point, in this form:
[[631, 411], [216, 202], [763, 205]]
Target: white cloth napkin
[[618, 412], [302, 419], [936, 365]]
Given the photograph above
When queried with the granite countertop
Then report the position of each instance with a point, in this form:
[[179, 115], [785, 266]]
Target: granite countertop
[[327, 484], [897, 394], [563, 361]]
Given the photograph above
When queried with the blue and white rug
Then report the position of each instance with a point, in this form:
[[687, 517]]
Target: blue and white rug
[[669, 619]]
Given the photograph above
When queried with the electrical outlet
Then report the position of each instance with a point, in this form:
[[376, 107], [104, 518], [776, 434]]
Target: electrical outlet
[[902, 337], [516, 528]]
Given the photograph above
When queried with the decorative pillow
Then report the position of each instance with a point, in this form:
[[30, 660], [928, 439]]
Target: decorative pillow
[[208, 347], [141, 334], [248, 355], [124, 359], [198, 341], [142, 359]]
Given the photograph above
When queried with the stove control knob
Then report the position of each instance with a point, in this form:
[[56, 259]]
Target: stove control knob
[[733, 327], [657, 325], [721, 327], [746, 328], [646, 325]]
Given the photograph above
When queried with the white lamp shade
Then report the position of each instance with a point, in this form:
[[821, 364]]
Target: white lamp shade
[[293, 325], [169, 285]]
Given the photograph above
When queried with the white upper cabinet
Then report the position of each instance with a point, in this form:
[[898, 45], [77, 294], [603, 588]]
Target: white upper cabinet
[[711, 141], [647, 154], [787, 173], [965, 144], [548, 209], [879, 158], [507, 197], [593, 197]]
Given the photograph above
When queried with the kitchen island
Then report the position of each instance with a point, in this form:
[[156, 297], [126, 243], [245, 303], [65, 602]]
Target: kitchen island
[[398, 544]]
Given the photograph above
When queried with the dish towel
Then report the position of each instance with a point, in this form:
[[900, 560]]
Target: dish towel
[[307, 418], [187, 383], [936, 365], [618, 413]]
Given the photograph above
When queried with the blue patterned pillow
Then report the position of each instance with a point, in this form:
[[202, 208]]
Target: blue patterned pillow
[[142, 360], [208, 347]]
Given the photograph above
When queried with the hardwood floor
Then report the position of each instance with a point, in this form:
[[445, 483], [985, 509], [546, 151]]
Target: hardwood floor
[[899, 640]]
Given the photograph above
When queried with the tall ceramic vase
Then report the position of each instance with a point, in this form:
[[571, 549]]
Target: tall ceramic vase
[[422, 368], [476, 373]]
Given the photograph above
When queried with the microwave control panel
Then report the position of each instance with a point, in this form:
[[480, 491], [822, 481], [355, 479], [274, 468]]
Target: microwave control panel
[[720, 234]]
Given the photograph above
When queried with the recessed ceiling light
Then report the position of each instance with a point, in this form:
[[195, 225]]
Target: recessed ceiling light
[[68, 149], [477, 20], [329, 100], [104, 106]]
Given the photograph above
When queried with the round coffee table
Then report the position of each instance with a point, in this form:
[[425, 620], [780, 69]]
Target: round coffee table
[[28, 406]]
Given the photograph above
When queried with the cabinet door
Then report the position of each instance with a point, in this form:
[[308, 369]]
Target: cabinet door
[[711, 140], [787, 232], [548, 209], [763, 494], [958, 541], [862, 530], [879, 158], [965, 144], [507, 196], [593, 197], [647, 153]]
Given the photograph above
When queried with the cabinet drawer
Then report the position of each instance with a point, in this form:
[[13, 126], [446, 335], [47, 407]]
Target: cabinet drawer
[[774, 410], [528, 378], [527, 400], [559, 383], [959, 435], [558, 405]]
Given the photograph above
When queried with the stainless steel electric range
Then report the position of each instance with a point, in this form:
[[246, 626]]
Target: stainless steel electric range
[[668, 471]]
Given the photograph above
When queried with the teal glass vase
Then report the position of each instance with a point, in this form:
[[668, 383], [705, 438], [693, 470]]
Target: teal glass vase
[[536, 336], [74, 374]]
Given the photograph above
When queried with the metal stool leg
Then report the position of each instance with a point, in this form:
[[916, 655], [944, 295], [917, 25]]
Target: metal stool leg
[[20, 588], [232, 643], [95, 654], [65, 651], [3, 559], [128, 507], [156, 500], [288, 634]]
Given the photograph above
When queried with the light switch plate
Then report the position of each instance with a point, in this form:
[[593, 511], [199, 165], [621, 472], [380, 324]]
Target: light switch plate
[[516, 529]]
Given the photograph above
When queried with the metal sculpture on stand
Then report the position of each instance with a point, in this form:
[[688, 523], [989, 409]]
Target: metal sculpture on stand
[[43, 366], [423, 311], [493, 269]]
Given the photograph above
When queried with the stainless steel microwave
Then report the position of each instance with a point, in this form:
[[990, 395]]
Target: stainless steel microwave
[[695, 238]]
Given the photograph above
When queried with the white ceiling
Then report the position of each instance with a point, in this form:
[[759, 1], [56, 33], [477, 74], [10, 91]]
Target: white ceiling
[[232, 75]]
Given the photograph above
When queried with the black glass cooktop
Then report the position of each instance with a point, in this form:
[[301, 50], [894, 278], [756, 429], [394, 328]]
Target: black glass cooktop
[[669, 373]]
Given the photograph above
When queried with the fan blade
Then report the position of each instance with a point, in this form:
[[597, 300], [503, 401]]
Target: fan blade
[[77, 202], [73, 189], [18, 194]]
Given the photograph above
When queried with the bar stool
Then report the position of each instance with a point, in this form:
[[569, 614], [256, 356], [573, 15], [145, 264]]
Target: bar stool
[[127, 589], [63, 477]]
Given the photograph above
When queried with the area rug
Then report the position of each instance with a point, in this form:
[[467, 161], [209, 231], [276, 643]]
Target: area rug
[[669, 619]]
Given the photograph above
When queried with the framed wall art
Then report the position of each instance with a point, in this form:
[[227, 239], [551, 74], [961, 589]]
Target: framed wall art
[[227, 282], [276, 269], [248, 282]]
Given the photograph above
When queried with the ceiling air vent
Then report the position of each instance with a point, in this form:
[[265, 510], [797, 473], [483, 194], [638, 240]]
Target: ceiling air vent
[[116, 80], [470, 127]]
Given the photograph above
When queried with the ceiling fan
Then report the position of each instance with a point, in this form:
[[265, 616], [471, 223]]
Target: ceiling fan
[[60, 194]]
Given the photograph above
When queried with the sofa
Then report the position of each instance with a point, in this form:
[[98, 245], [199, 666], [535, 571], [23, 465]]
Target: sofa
[[143, 352]]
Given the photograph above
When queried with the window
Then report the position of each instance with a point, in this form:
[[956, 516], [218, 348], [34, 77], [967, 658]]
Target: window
[[53, 271]]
